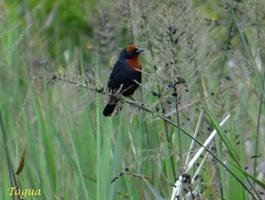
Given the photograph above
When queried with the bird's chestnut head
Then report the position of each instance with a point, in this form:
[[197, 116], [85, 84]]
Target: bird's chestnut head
[[131, 51]]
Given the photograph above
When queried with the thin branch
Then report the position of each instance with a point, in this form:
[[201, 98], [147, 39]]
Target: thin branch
[[194, 135], [205, 144], [142, 107]]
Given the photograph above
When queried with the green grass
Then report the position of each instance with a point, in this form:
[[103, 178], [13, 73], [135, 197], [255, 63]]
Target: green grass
[[74, 152]]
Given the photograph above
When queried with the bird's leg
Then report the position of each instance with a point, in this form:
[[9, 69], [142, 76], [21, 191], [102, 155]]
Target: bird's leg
[[131, 98]]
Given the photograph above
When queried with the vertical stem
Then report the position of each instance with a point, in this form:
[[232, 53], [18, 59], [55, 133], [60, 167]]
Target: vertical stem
[[255, 162], [175, 94], [258, 129], [11, 173], [179, 134], [166, 127]]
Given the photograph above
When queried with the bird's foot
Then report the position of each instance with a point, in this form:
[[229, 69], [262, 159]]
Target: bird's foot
[[130, 97]]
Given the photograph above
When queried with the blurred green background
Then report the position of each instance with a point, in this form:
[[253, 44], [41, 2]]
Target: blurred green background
[[73, 152]]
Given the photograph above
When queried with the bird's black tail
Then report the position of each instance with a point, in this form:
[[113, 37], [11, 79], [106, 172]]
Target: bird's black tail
[[110, 107], [108, 110]]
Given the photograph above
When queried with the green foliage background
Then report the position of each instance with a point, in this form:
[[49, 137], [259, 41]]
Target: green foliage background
[[73, 152]]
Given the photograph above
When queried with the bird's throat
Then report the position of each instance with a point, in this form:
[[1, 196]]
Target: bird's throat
[[134, 63]]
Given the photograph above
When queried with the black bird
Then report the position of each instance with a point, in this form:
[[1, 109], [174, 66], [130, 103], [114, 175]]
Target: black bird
[[125, 76]]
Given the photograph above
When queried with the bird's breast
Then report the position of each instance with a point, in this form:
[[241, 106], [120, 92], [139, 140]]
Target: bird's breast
[[134, 63]]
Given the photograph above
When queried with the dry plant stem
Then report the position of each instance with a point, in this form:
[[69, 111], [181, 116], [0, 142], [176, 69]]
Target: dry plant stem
[[162, 117], [160, 98], [169, 141], [179, 133], [190, 136], [194, 135], [199, 168], [205, 144], [191, 192], [258, 130], [175, 94], [255, 162]]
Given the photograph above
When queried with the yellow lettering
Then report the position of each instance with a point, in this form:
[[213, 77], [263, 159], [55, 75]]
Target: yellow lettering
[[37, 192], [11, 190], [31, 192], [17, 192], [23, 193]]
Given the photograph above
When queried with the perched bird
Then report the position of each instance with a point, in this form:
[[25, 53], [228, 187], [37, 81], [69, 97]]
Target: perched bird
[[125, 76]]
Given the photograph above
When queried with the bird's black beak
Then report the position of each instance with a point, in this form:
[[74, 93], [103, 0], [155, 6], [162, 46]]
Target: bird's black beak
[[138, 51]]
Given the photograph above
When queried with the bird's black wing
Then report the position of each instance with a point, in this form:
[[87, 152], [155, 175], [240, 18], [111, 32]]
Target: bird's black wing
[[125, 78], [115, 70]]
